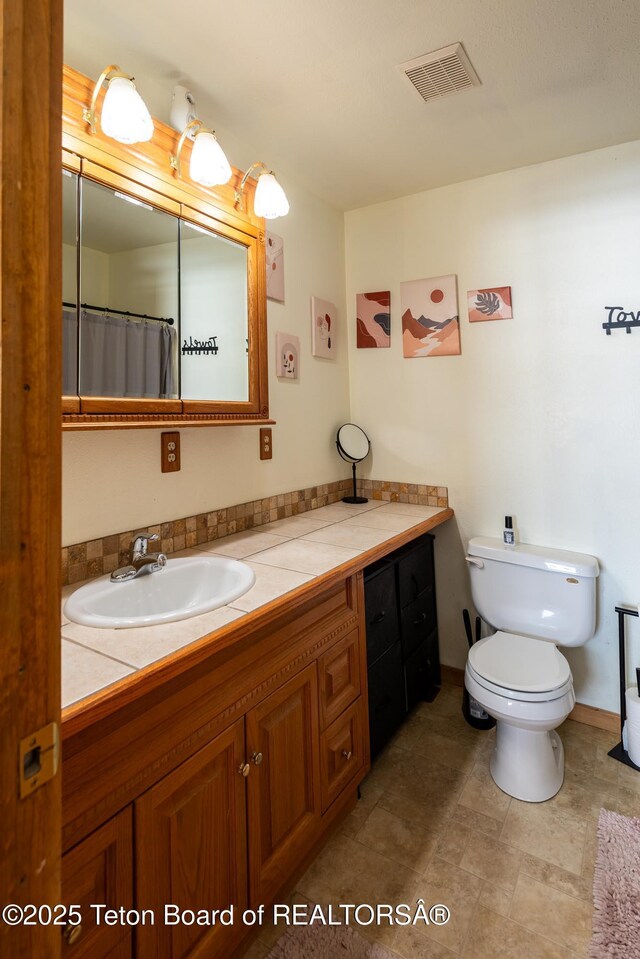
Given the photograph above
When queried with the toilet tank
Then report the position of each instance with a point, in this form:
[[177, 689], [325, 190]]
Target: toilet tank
[[545, 593]]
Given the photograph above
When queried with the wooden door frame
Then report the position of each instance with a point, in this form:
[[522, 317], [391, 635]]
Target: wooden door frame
[[30, 453]]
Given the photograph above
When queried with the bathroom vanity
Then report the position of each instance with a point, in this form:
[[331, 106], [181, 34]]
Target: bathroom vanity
[[210, 778]]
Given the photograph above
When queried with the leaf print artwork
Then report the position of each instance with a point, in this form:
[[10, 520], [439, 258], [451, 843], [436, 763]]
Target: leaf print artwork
[[487, 303], [491, 304]]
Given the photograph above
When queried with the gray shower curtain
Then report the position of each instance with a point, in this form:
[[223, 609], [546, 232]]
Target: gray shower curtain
[[123, 357], [69, 353]]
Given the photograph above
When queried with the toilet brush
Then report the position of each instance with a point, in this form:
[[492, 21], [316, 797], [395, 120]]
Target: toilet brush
[[471, 709]]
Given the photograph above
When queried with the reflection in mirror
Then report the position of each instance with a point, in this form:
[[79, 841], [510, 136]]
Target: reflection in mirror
[[69, 283], [214, 319], [353, 445], [129, 297]]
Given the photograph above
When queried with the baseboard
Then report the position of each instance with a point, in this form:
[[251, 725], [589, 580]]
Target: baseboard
[[592, 716], [587, 715]]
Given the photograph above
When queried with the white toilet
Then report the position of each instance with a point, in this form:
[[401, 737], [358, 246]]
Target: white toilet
[[536, 599]]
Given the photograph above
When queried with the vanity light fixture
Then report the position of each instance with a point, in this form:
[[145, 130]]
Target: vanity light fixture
[[124, 116], [208, 165], [270, 200]]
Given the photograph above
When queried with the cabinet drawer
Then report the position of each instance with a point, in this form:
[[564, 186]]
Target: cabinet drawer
[[381, 611], [387, 703], [422, 671], [341, 753], [418, 621], [99, 870], [415, 571], [339, 677]]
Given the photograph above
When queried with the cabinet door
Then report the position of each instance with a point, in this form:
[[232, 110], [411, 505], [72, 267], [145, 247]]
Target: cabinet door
[[418, 621], [284, 785], [415, 570], [387, 700], [339, 677], [99, 870], [381, 611], [341, 753], [191, 850], [422, 672]]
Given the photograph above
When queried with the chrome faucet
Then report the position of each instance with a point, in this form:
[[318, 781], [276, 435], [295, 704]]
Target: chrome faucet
[[140, 559]]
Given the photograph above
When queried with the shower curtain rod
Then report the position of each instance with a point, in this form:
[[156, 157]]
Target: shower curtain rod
[[106, 309]]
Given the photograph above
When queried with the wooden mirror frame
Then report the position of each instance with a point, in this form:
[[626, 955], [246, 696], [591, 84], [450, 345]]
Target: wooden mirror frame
[[143, 170]]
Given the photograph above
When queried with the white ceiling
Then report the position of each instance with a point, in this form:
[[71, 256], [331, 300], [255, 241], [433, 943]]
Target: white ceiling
[[310, 86]]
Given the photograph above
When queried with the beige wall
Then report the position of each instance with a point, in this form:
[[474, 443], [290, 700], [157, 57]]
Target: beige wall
[[112, 479], [540, 415]]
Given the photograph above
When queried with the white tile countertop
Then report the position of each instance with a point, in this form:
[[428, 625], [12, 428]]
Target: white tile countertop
[[284, 555]]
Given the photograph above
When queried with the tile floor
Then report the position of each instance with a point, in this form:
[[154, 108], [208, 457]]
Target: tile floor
[[431, 824]]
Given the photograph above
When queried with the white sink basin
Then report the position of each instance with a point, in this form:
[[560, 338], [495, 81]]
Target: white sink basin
[[184, 588]]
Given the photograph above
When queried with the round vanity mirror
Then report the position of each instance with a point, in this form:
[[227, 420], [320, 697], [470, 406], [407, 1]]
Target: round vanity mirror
[[353, 446]]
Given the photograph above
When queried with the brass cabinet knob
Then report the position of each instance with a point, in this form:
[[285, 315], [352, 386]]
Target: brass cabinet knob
[[71, 934], [244, 769], [346, 754], [256, 759]]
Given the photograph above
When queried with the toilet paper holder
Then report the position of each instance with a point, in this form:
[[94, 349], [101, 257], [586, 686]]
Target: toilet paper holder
[[619, 752]]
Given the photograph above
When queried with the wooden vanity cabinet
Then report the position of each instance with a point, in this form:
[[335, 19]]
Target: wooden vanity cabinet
[[235, 772]]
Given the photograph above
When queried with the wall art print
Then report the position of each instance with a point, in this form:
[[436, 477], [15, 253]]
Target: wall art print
[[274, 255], [287, 355], [373, 320], [323, 328], [491, 304], [430, 319]]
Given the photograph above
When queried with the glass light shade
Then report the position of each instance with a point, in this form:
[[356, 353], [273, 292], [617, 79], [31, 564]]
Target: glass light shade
[[270, 199], [209, 166], [124, 116]]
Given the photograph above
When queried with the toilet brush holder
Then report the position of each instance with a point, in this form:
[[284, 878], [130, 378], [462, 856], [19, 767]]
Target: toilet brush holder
[[472, 711]]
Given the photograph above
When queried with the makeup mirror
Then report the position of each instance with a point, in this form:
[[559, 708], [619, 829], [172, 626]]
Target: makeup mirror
[[353, 446]]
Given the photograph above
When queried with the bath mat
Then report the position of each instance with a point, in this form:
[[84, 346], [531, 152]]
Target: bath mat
[[326, 942], [616, 888]]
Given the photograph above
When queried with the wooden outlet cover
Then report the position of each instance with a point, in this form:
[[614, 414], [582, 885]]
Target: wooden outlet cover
[[266, 443], [170, 452]]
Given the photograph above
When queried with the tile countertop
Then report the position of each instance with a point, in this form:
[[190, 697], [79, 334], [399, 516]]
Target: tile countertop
[[284, 555]]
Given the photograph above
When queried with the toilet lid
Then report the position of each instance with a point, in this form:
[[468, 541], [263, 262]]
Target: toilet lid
[[520, 663]]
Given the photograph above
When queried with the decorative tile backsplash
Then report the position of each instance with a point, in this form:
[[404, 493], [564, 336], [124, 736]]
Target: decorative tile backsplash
[[99, 556]]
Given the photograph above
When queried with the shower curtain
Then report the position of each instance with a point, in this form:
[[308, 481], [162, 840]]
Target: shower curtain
[[69, 353], [125, 357]]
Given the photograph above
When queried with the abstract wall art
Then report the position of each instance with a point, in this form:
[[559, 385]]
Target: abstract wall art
[[274, 254], [430, 320], [323, 328], [373, 320], [287, 355], [491, 304]]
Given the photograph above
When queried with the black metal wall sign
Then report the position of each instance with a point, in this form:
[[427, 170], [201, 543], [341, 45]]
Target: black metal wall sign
[[619, 319], [200, 347]]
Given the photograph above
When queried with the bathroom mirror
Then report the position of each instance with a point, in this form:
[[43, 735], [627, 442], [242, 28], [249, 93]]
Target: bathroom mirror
[[164, 295], [213, 312], [353, 446], [128, 296], [69, 283]]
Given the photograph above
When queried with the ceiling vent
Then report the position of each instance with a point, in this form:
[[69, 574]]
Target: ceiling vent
[[438, 74]]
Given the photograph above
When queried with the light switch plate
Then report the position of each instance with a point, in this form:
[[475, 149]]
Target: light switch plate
[[170, 452], [266, 443]]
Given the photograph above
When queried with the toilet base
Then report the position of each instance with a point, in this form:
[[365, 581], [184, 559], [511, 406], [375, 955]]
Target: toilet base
[[527, 764]]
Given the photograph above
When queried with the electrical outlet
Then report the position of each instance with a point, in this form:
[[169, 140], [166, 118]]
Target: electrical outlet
[[170, 452], [266, 443]]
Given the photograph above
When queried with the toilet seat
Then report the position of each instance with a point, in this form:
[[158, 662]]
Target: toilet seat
[[520, 668]]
